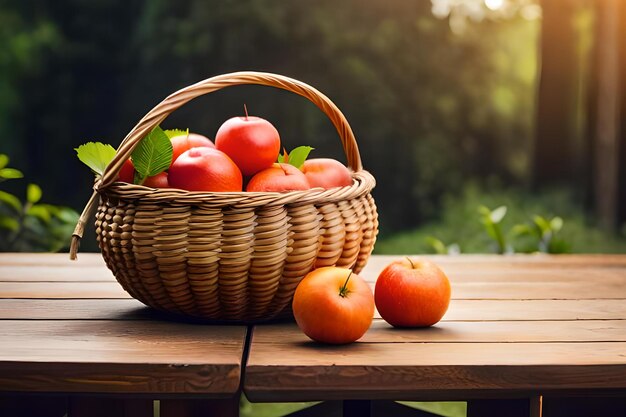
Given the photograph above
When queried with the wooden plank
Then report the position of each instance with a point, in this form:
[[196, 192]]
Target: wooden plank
[[75, 309], [377, 262], [536, 290], [460, 290], [520, 274], [46, 273], [62, 290], [118, 341], [50, 259], [120, 356], [536, 310], [309, 372], [459, 310], [287, 336]]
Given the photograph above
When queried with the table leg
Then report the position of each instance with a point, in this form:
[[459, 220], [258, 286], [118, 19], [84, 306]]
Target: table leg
[[357, 408], [513, 407], [584, 407], [27, 405], [89, 406], [228, 407]]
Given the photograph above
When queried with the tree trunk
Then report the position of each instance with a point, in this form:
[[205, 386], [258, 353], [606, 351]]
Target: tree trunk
[[604, 101], [555, 142]]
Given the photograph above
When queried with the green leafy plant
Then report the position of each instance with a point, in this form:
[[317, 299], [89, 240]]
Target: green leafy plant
[[544, 232], [29, 225], [491, 220]]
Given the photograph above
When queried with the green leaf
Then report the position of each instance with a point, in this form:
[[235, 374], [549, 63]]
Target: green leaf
[[498, 214], [67, 215], [40, 211], [521, 230], [33, 193], [437, 245], [176, 132], [4, 160], [298, 155], [153, 154], [542, 224], [484, 210], [95, 155], [11, 200], [9, 223], [10, 173], [556, 224]]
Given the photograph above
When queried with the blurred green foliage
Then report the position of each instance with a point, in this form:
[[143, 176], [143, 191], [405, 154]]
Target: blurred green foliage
[[431, 107], [31, 226], [546, 222]]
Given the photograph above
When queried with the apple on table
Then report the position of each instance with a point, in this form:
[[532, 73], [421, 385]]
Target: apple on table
[[412, 293]]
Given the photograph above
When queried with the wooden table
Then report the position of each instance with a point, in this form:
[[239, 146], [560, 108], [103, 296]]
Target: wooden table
[[68, 329], [523, 335]]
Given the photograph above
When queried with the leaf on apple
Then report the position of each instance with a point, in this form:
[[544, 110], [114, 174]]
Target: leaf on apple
[[296, 157], [95, 155], [153, 155], [171, 133]]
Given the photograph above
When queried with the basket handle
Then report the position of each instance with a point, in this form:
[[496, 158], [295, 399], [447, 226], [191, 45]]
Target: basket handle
[[180, 97]]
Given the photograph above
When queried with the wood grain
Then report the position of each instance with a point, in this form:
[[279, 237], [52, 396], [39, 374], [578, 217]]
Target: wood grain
[[465, 332], [75, 309], [459, 310], [62, 290], [120, 356], [407, 370], [517, 326]]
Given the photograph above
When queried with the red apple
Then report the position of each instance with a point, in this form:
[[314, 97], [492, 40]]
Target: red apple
[[157, 181], [412, 293], [326, 173], [205, 169], [127, 174], [253, 143], [278, 178], [183, 143], [333, 305]]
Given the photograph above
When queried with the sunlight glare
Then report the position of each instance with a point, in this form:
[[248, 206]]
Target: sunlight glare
[[494, 4]]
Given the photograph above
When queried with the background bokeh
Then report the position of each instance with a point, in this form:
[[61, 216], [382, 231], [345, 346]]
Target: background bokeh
[[443, 95]]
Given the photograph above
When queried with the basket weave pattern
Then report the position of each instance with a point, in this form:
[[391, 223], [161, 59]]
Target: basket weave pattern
[[231, 256]]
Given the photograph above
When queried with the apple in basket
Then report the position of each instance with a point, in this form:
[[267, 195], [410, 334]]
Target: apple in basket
[[278, 178], [205, 169], [326, 173], [127, 174], [184, 142], [251, 142]]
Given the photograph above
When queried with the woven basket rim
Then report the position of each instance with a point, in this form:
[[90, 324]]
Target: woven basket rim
[[363, 183]]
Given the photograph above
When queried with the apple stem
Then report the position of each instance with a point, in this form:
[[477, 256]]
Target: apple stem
[[245, 110], [343, 291], [411, 262]]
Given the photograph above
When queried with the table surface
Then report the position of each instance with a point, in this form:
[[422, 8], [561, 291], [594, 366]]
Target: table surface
[[516, 325], [69, 327]]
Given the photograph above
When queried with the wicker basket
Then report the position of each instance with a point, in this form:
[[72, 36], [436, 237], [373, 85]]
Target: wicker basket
[[235, 256]]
